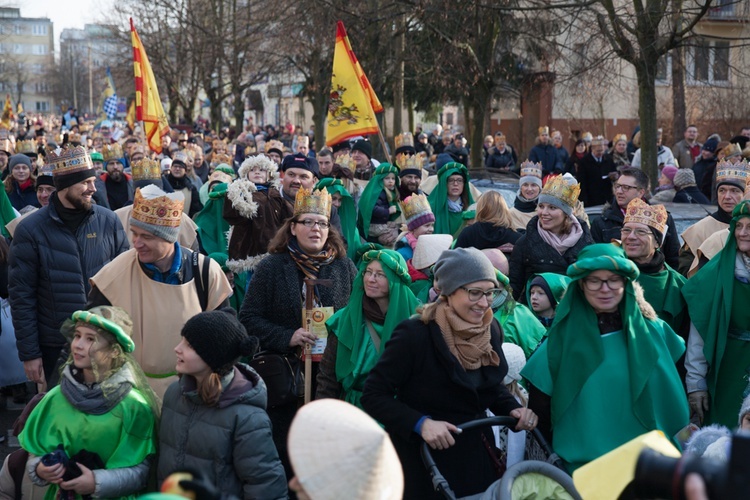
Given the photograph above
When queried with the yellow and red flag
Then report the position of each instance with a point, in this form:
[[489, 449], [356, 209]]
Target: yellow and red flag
[[352, 102], [148, 107], [8, 117], [130, 117]]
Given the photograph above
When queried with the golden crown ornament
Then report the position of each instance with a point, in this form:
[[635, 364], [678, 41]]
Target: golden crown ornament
[[651, 215], [529, 168], [726, 171], [112, 152], [162, 211], [312, 202], [69, 160], [414, 206], [559, 188], [146, 168]]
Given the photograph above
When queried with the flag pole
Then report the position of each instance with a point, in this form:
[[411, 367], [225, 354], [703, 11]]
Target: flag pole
[[383, 143]]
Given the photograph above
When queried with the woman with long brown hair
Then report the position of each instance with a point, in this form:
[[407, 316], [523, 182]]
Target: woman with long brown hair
[[493, 227]]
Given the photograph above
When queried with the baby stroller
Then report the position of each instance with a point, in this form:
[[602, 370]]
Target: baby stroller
[[540, 475]]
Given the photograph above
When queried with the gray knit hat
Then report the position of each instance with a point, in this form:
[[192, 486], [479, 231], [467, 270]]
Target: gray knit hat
[[684, 177], [158, 212], [458, 267]]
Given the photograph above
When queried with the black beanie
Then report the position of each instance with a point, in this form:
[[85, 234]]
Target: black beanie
[[364, 146], [542, 283], [219, 339]]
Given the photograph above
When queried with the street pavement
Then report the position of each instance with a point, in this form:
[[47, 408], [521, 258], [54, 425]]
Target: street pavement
[[9, 411]]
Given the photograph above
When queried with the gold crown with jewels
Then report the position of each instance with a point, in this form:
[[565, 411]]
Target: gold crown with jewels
[[529, 168], [415, 205], [652, 215], [219, 158], [726, 171], [27, 147], [146, 168], [69, 160], [160, 211], [312, 202], [346, 161], [559, 188]]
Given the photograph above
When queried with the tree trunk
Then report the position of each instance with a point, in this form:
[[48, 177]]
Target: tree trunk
[[476, 139], [320, 112], [190, 110], [398, 77], [679, 111], [645, 73], [239, 112]]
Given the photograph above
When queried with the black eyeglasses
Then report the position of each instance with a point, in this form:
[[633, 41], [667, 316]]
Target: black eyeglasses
[[641, 233], [595, 284], [309, 223], [475, 294]]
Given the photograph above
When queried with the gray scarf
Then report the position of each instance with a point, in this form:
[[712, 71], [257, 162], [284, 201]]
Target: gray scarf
[[742, 267], [100, 398], [455, 206]]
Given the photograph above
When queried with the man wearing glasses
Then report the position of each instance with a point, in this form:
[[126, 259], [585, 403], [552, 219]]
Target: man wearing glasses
[[632, 184]]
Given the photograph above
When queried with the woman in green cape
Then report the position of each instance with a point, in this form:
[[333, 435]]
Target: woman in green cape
[[342, 200], [379, 209], [103, 413], [718, 355], [358, 333], [607, 371], [451, 198]]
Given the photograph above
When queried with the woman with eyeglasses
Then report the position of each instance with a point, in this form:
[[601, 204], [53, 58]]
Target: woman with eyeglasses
[[441, 369], [358, 333], [451, 198], [304, 247], [607, 372]]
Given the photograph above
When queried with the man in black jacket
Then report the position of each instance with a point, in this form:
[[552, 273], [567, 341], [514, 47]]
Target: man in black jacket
[[596, 173], [632, 184], [54, 252]]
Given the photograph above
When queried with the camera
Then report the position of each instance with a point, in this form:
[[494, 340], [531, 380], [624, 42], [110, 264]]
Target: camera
[[658, 476]]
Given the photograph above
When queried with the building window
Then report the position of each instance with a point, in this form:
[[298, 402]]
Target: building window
[[40, 50], [17, 48], [42, 106], [664, 70], [39, 29], [17, 29], [708, 62]]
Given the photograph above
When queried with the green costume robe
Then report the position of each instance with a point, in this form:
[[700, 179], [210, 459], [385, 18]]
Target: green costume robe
[[356, 354], [212, 228], [718, 304], [347, 214], [122, 437], [607, 389], [663, 291], [557, 283], [370, 196], [521, 327], [447, 222]]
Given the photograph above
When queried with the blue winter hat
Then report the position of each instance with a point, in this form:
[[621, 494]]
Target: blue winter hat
[[442, 159], [711, 145]]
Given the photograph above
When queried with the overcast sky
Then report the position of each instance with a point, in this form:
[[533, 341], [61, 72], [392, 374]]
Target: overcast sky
[[64, 13]]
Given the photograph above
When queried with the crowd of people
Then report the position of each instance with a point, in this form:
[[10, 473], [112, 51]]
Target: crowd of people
[[173, 308]]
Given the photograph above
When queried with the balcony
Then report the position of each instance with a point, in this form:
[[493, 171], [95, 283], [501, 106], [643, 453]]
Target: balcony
[[729, 10]]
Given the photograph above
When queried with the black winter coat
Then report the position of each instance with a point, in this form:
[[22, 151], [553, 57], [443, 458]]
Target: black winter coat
[[417, 376], [607, 227], [49, 271], [272, 309], [497, 160], [596, 187], [533, 255], [690, 194], [483, 235]]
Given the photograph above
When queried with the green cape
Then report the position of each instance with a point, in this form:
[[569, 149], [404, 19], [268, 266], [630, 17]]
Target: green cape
[[447, 222], [7, 213], [521, 327], [709, 295], [558, 284], [663, 291], [575, 344], [356, 354], [212, 228], [347, 213], [370, 197], [240, 281]]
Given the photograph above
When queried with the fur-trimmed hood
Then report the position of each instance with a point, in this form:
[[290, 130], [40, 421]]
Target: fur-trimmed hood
[[646, 309], [265, 163]]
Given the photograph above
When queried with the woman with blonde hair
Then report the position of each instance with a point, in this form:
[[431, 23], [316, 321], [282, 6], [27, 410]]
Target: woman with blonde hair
[[493, 227]]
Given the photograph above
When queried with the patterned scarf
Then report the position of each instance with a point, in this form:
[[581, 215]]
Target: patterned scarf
[[469, 343], [310, 264]]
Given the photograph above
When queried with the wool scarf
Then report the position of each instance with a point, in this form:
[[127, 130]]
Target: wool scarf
[[563, 242], [310, 264], [469, 343], [99, 398]]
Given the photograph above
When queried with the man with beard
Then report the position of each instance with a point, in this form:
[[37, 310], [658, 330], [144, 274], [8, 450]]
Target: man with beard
[[411, 177], [179, 181], [54, 252], [118, 184]]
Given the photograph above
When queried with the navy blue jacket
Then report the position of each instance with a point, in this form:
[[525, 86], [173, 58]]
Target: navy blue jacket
[[547, 154], [49, 271]]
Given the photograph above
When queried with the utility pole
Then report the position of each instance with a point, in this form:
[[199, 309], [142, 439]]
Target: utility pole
[[91, 84], [73, 72]]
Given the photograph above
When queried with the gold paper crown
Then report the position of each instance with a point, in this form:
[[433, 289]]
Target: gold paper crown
[[652, 215], [414, 162], [620, 137], [27, 147], [250, 150], [559, 188], [529, 168], [315, 202], [543, 130], [346, 161], [7, 143], [726, 171], [69, 160], [731, 150], [180, 156], [146, 169], [414, 206], [587, 136], [111, 152], [404, 140], [274, 145], [161, 211], [219, 158]]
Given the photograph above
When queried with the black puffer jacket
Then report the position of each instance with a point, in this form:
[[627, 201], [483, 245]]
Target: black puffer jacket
[[532, 255], [607, 227], [49, 271]]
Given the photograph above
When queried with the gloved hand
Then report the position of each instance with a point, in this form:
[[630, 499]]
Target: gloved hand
[[698, 401]]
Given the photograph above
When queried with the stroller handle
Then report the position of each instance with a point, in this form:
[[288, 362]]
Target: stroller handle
[[440, 484]]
